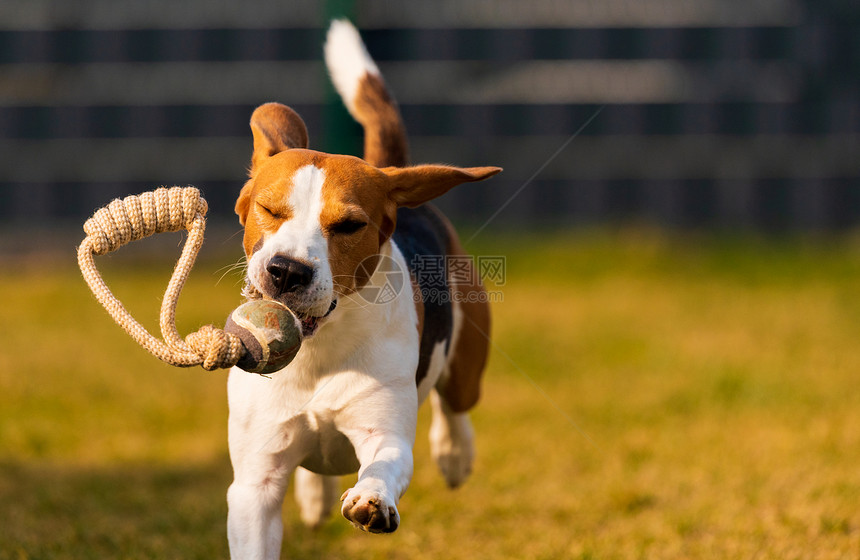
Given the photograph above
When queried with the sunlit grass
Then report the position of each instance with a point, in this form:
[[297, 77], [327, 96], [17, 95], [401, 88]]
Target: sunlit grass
[[647, 397]]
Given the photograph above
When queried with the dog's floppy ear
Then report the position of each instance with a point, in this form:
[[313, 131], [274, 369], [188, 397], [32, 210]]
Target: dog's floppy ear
[[275, 128], [243, 203], [413, 186]]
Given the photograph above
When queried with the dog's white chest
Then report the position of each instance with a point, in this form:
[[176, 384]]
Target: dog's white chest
[[280, 418]]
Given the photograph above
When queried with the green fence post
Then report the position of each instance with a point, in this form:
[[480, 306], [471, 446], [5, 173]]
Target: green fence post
[[341, 134]]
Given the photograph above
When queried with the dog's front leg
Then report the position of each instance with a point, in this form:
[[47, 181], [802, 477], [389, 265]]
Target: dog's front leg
[[264, 451], [386, 468], [254, 526], [383, 445]]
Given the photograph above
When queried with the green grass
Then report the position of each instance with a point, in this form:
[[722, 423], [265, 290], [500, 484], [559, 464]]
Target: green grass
[[648, 396]]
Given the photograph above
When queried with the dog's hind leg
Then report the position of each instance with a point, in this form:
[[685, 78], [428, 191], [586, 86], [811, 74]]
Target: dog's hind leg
[[458, 390], [452, 441], [316, 495]]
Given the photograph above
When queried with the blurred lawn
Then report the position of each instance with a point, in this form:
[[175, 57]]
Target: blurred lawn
[[648, 396]]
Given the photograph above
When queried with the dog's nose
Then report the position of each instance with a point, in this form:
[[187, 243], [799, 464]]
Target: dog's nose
[[289, 275]]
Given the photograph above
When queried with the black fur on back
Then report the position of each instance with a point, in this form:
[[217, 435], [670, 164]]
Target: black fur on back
[[422, 238]]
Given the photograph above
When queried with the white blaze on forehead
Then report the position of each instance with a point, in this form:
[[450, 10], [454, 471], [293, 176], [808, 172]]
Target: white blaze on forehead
[[301, 236], [303, 232]]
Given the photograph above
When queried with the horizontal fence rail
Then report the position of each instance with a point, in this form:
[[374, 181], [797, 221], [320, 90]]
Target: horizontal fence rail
[[714, 114]]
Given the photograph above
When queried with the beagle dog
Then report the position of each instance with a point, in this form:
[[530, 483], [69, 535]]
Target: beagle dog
[[336, 239]]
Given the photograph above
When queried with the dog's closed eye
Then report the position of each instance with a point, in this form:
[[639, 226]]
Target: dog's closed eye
[[271, 212], [346, 227]]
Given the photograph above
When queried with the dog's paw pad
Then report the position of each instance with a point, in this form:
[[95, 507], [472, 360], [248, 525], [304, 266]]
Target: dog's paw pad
[[370, 513]]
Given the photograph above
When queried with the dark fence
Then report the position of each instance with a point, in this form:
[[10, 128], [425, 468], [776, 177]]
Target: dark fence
[[714, 113]]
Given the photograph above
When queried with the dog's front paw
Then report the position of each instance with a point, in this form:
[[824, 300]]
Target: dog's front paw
[[369, 511]]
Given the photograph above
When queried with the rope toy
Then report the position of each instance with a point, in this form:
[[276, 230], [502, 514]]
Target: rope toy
[[261, 336]]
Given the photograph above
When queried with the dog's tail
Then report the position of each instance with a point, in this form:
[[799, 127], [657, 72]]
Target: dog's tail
[[360, 85]]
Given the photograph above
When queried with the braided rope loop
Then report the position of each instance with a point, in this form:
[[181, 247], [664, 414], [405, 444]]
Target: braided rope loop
[[137, 217]]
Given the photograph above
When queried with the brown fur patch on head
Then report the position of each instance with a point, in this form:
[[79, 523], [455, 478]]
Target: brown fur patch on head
[[357, 218], [355, 191]]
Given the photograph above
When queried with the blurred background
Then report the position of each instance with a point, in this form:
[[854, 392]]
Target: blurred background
[[715, 113], [674, 364]]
